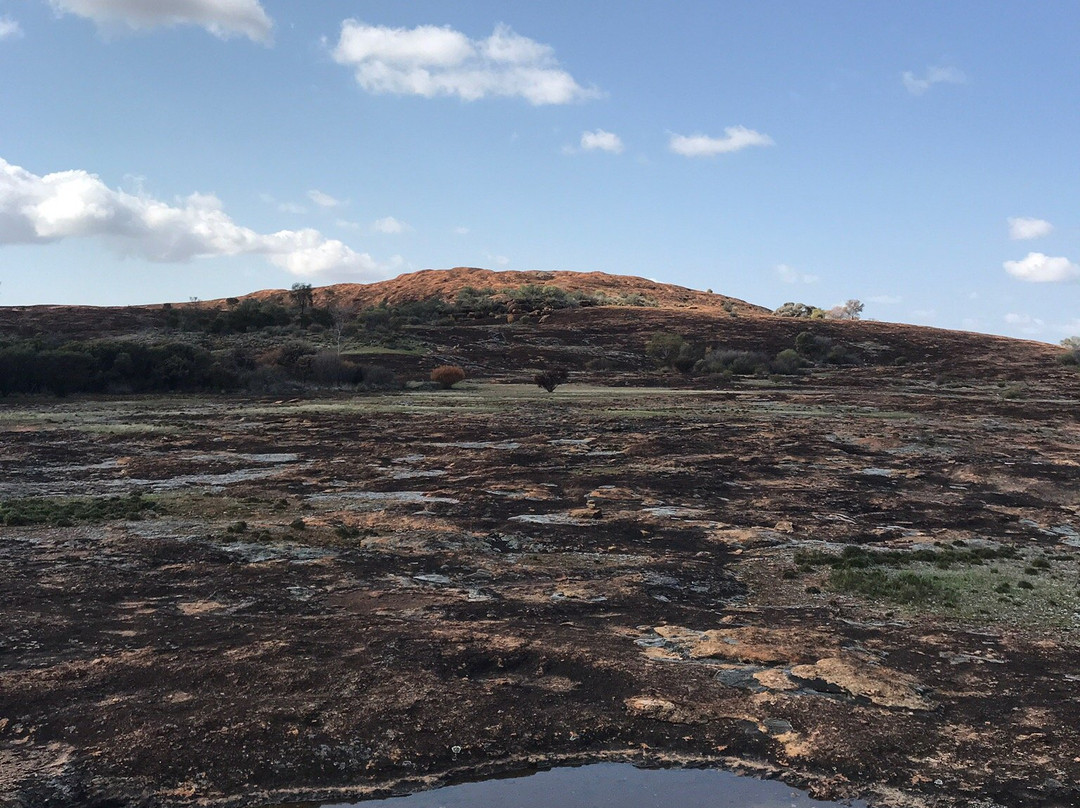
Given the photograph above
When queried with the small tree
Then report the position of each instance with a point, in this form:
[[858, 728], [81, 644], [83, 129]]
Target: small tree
[[302, 296], [446, 376], [849, 311], [551, 378]]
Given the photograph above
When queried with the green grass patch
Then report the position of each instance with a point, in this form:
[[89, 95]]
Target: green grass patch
[[66, 512], [913, 588], [861, 558]]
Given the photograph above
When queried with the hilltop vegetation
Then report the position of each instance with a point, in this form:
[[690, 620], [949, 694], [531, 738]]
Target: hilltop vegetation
[[600, 328]]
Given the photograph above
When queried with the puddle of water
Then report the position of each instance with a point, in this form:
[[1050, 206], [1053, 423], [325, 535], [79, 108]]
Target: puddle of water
[[611, 785]]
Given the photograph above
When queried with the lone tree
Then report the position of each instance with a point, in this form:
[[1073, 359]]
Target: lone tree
[[849, 311], [302, 296], [551, 378], [446, 376]]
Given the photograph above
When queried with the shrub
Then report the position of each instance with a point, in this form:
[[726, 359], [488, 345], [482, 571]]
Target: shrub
[[737, 363], [328, 367], [787, 362], [446, 376], [800, 310], [811, 345], [664, 347], [551, 378]]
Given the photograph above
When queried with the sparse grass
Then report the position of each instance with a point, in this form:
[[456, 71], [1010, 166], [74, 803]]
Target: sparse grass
[[863, 558], [973, 592], [65, 512]]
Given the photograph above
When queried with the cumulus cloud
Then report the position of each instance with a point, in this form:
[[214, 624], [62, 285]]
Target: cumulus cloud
[[9, 28], [734, 139], [76, 204], [933, 75], [323, 200], [431, 61], [1022, 228], [1039, 268], [602, 141], [791, 275], [223, 18], [389, 225]]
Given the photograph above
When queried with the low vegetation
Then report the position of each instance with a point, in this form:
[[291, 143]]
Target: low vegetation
[[446, 376], [66, 512], [551, 378]]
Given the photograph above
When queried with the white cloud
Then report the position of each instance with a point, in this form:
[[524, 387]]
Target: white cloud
[[430, 61], [9, 28], [934, 75], [604, 141], [1022, 228], [885, 300], [389, 225], [291, 207], [323, 200], [461, 231], [75, 204], [223, 18], [734, 139], [791, 275], [1039, 268]]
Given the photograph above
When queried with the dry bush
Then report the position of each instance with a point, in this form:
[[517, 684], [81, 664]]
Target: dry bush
[[446, 376]]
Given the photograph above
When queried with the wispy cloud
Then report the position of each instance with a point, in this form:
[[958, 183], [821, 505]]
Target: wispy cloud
[[431, 61], [223, 18], [323, 200], [734, 139], [76, 204], [885, 300], [601, 141], [1022, 228], [1025, 323], [461, 231], [933, 75], [389, 225], [1038, 268], [791, 275], [10, 28]]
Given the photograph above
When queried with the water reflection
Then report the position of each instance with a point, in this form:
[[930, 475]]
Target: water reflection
[[610, 785]]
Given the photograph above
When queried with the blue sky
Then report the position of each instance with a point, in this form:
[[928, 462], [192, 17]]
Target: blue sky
[[919, 156]]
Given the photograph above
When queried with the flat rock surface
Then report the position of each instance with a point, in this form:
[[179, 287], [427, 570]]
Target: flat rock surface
[[355, 595]]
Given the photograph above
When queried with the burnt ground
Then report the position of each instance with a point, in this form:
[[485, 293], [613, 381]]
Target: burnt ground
[[350, 595]]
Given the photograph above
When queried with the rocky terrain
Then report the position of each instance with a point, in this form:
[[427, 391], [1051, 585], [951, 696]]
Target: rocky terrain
[[862, 577]]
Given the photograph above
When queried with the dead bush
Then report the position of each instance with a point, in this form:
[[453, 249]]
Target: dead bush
[[446, 376]]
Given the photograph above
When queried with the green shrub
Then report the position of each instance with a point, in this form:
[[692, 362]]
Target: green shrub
[[62, 512]]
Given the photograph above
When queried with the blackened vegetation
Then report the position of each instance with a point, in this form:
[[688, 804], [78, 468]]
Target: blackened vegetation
[[551, 378]]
